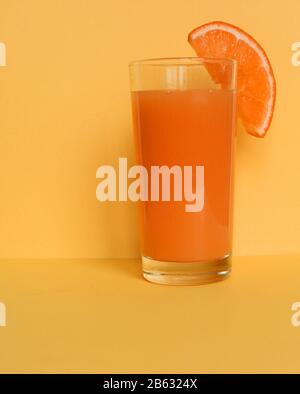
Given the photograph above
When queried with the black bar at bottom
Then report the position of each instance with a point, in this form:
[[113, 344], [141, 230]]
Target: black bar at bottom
[[133, 383]]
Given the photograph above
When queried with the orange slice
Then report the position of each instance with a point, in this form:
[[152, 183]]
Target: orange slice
[[256, 87]]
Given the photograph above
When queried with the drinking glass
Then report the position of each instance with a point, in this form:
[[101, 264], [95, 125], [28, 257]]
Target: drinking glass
[[184, 120]]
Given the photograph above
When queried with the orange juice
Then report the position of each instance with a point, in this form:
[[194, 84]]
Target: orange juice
[[187, 128]]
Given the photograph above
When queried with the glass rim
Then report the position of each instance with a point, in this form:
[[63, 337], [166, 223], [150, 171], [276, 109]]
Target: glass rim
[[182, 61]]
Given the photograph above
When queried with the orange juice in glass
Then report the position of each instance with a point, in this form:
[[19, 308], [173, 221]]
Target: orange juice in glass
[[183, 118]]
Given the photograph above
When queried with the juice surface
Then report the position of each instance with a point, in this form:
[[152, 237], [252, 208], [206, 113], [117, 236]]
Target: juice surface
[[187, 128]]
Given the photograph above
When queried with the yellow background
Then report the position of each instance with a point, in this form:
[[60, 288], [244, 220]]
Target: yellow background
[[65, 110], [91, 316]]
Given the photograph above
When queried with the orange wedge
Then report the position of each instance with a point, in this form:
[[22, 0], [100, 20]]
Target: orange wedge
[[256, 86]]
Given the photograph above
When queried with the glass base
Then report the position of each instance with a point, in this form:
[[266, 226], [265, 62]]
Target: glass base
[[186, 273]]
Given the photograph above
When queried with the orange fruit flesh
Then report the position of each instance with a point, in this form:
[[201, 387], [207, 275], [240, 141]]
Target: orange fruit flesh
[[256, 88]]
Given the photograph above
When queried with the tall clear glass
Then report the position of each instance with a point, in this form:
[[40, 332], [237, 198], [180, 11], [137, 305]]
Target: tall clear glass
[[184, 119]]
